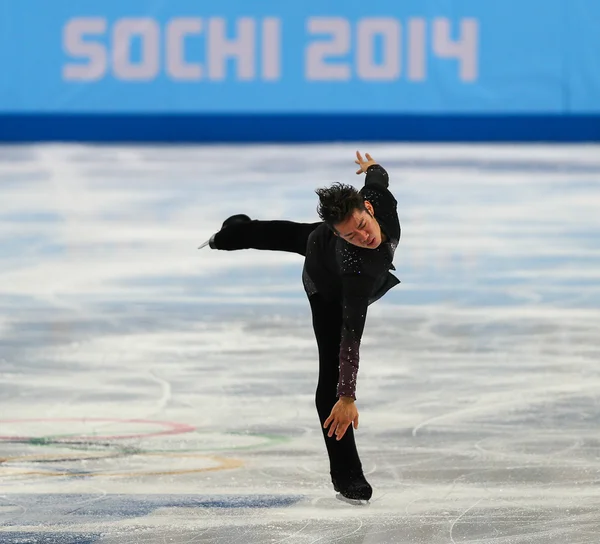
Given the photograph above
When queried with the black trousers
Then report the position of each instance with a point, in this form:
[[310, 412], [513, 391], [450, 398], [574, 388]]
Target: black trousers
[[326, 319]]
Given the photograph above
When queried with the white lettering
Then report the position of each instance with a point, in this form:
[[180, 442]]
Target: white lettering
[[94, 52], [149, 32], [417, 51], [317, 68], [368, 29], [133, 49], [177, 31], [242, 49], [271, 49], [464, 49]]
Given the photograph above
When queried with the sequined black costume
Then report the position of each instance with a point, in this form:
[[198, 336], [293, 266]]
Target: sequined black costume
[[341, 280]]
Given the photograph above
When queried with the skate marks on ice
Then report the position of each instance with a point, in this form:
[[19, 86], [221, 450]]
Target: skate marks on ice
[[152, 392]]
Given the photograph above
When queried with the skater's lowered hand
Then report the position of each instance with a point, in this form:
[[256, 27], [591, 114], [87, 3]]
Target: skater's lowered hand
[[342, 415], [364, 164]]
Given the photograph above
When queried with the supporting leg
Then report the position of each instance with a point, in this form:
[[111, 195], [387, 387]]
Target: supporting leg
[[327, 324]]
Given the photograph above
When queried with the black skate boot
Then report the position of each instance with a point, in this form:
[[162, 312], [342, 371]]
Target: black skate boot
[[352, 487], [234, 219]]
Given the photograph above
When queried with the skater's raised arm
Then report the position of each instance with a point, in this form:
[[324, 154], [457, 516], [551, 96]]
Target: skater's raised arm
[[376, 174]]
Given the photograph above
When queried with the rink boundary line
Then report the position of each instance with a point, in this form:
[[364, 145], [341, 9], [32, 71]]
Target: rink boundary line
[[73, 444], [225, 464], [173, 428]]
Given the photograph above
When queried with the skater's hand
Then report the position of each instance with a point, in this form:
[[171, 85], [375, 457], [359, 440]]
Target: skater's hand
[[342, 415], [364, 165]]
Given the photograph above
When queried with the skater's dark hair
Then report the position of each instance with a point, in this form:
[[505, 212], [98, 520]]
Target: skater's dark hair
[[336, 203]]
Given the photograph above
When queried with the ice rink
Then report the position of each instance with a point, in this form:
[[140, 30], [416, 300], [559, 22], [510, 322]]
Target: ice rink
[[154, 393]]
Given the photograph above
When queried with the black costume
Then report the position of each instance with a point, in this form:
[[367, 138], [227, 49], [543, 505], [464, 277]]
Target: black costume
[[341, 280]]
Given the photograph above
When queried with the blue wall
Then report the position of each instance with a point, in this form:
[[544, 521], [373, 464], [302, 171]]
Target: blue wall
[[172, 70]]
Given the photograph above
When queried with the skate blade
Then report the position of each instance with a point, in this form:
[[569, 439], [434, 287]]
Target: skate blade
[[353, 502], [207, 241]]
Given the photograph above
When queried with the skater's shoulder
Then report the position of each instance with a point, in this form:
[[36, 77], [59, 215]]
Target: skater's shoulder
[[322, 234], [378, 195]]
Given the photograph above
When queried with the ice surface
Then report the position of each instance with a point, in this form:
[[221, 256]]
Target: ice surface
[[151, 392]]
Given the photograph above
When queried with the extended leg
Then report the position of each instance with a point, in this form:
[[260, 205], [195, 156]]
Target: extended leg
[[268, 235]]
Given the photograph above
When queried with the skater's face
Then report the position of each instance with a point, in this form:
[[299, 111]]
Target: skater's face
[[361, 228]]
